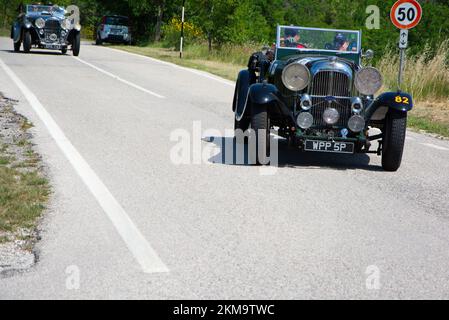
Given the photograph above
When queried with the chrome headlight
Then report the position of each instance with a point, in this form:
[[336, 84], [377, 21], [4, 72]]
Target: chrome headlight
[[296, 77], [66, 24], [40, 23], [356, 123], [368, 81], [28, 24], [331, 116], [305, 120]]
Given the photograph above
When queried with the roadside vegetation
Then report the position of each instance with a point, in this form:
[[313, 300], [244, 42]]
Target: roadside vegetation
[[4, 32], [24, 190]]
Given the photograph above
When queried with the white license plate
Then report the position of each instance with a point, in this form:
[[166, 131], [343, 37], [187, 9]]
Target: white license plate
[[53, 46], [329, 146]]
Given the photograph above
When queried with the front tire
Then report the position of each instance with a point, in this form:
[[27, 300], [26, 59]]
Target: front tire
[[98, 41], [394, 140], [17, 46], [260, 124], [76, 45], [27, 42]]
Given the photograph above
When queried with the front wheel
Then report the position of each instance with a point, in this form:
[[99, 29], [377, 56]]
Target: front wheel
[[76, 45], [260, 124], [394, 139], [17, 46], [98, 41], [27, 42]]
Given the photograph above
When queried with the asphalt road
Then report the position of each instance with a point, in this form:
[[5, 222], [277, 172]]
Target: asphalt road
[[127, 222]]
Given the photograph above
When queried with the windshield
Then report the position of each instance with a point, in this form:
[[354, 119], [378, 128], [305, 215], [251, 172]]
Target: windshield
[[117, 21], [318, 39], [39, 9]]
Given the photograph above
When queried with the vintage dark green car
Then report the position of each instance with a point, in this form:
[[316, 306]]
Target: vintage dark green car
[[315, 92], [45, 27]]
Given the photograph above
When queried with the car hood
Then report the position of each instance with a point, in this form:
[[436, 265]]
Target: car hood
[[34, 16], [317, 64]]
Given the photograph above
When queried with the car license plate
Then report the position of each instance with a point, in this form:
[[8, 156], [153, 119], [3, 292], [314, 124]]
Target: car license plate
[[53, 46], [329, 146]]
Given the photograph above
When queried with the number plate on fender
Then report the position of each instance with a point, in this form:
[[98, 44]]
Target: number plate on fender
[[329, 146]]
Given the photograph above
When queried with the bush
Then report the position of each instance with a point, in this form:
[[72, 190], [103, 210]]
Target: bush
[[171, 33]]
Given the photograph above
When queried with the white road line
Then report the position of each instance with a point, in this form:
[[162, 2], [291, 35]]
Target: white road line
[[120, 79], [435, 146], [197, 72], [135, 241]]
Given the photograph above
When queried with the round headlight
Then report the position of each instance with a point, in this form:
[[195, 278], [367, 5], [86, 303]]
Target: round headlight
[[296, 77], [66, 24], [305, 120], [40, 23], [356, 123], [368, 81], [331, 116]]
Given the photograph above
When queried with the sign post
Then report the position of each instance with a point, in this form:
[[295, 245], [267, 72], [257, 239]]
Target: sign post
[[182, 28], [405, 15]]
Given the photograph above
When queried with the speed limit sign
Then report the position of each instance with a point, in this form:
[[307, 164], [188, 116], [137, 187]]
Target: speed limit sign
[[406, 14]]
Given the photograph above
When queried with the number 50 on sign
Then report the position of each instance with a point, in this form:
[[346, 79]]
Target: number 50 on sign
[[406, 14]]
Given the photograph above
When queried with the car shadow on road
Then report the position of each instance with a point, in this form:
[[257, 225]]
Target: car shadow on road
[[35, 52], [289, 157]]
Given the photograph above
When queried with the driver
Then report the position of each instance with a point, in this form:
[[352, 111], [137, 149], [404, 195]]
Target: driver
[[341, 43], [292, 39]]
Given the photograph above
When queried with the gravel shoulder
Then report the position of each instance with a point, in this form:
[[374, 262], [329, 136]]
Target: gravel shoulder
[[24, 191]]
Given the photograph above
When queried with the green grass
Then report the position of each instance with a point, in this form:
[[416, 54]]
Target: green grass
[[24, 191], [428, 125], [22, 198], [426, 78], [5, 32]]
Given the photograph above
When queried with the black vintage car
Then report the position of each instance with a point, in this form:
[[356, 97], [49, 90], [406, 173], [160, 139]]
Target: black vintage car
[[315, 92], [45, 27]]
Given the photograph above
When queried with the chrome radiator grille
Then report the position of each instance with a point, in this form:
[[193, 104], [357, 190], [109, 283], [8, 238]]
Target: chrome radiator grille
[[331, 83], [52, 27], [343, 106], [331, 89]]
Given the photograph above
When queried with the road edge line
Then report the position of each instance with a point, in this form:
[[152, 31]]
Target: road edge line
[[141, 249]]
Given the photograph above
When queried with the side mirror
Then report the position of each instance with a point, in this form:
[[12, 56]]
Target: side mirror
[[369, 54]]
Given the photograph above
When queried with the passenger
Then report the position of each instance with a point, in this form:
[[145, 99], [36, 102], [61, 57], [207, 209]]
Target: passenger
[[341, 43], [292, 39]]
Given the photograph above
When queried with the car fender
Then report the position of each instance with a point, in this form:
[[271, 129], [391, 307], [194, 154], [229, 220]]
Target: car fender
[[258, 94], [241, 93], [399, 101], [16, 32], [263, 93]]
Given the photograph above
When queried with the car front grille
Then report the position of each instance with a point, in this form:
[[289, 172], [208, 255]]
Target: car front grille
[[331, 89], [52, 27], [342, 105], [115, 38]]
